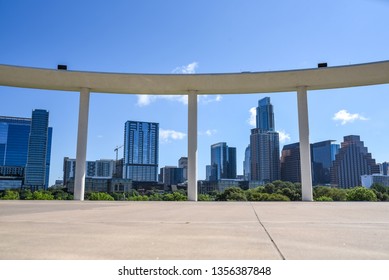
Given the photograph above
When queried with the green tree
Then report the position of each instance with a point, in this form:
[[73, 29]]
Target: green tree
[[277, 197], [232, 194], [379, 188], [60, 194], [205, 197], [119, 196], [175, 196], [156, 197], [26, 194], [334, 193], [100, 196], [10, 195], [361, 194], [138, 198], [338, 194], [42, 195], [255, 194], [270, 188]]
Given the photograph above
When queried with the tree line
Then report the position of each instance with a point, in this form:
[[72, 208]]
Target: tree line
[[275, 191]]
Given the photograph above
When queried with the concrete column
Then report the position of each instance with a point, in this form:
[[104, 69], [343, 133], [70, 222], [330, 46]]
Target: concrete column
[[82, 137], [305, 148], [192, 146]]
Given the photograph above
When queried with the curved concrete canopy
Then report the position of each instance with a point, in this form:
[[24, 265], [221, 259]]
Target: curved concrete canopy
[[246, 82]]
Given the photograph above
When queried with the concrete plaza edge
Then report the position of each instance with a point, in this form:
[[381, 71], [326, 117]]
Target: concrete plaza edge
[[193, 230]]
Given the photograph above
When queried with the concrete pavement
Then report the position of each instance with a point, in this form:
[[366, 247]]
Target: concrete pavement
[[193, 230]]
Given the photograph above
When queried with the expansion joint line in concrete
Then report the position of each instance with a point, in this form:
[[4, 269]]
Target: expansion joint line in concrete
[[268, 234]]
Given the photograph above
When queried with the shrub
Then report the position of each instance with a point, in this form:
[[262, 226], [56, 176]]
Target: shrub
[[361, 194], [205, 197], [60, 194], [277, 197], [119, 196], [175, 196], [257, 196], [156, 197], [10, 195], [26, 194], [334, 193], [100, 196], [138, 198], [233, 193], [42, 195]]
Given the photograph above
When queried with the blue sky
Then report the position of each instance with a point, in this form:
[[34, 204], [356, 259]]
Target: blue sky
[[178, 36]]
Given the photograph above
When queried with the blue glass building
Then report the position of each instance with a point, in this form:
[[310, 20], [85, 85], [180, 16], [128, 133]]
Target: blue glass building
[[265, 115], [14, 134], [35, 174], [141, 151], [322, 156], [223, 162], [25, 150]]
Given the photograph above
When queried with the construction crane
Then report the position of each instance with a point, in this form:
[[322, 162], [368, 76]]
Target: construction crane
[[117, 151]]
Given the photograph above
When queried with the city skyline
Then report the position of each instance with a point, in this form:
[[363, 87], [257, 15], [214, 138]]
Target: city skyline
[[140, 128], [169, 38]]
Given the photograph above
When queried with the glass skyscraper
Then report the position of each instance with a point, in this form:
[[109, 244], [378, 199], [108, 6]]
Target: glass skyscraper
[[352, 161], [264, 145], [223, 162], [247, 164], [290, 163], [35, 173], [141, 151], [25, 150], [265, 115], [322, 156], [14, 134]]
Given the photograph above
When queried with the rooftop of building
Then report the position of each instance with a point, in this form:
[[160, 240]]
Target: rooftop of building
[[189, 230]]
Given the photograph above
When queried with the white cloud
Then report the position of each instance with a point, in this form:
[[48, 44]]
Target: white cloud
[[284, 137], [208, 132], [144, 100], [205, 99], [252, 120], [345, 117], [167, 135], [186, 69]]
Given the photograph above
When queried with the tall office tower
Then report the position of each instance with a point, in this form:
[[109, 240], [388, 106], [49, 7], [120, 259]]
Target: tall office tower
[[322, 156], [290, 163], [247, 164], [208, 173], [103, 168], [223, 162], [352, 161], [264, 145], [35, 173], [183, 163], [265, 115], [14, 133], [171, 175], [384, 168], [25, 141], [141, 151]]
